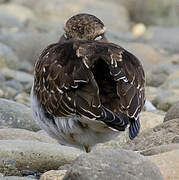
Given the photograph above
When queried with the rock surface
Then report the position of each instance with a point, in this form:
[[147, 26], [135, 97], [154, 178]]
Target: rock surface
[[168, 164], [23, 134], [165, 133], [37, 155], [53, 175], [159, 149], [112, 164], [16, 115], [172, 113]]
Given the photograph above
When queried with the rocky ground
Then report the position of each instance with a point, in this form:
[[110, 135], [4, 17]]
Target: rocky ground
[[26, 152]]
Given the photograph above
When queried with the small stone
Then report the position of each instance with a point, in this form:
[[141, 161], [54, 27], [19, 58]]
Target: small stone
[[138, 29], [1, 93], [23, 98], [53, 175]]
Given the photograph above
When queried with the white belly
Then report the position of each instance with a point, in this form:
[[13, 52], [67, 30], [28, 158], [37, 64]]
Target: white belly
[[72, 131]]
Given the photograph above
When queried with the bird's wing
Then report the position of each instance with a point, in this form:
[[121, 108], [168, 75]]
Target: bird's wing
[[128, 74], [63, 84]]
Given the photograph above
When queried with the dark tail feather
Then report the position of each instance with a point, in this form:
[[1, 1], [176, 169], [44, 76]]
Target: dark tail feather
[[134, 128], [114, 120]]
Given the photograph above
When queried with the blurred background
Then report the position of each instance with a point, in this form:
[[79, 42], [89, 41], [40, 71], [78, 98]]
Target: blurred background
[[149, 29]]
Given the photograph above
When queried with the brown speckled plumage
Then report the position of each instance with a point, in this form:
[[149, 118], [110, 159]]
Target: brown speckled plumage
[[81, 82]]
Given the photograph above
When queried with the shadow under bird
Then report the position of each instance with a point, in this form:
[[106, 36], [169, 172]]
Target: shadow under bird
[[87, 90]]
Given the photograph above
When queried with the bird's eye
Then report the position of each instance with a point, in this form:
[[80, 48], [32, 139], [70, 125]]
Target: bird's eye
[[98, 38]]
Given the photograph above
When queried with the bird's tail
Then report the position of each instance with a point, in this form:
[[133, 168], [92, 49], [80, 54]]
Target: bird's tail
[[134, 127]]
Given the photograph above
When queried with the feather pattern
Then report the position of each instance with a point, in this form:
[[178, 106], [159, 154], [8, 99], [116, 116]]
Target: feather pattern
[[96, 80]]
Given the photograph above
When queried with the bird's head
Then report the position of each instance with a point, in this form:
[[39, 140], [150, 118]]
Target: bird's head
[[84, 27]]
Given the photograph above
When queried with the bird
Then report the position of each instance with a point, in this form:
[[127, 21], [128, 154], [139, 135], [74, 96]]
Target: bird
[[87, 90]]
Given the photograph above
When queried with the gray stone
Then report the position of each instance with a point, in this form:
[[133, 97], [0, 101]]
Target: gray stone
[[17, 75], [23, 14], [172, 113], [9, 21], [112, 164], [164, 38], [165, 98], [23, 98], [14, 178], [8, 167], [159, 149], [16, 115], [28, 45], [164, 13], [8, 58], [162, 134], [37, 155], [15, 84], [23, 134]]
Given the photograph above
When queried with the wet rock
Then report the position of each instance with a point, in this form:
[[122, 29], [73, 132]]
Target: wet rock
[[112, 164], [151, 93], [172, 113], [16, 115], [162, 134], [51, 175], [40, 156], [8, 57], [168, 164]]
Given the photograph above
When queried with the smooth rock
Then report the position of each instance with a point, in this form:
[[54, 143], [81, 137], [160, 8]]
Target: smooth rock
[[150, 119], [15, 84], [23, 14], [8, 167], [37, 155], [152, 12], [16, 115], [151, 93], [163, 134], [17, 75], [112, 164], [8, 58], [165, 98], [14, 178], [168, 164], [53, 175], [23, 134], [29, 45], [172, 113], [160, 149], [23, 98]]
